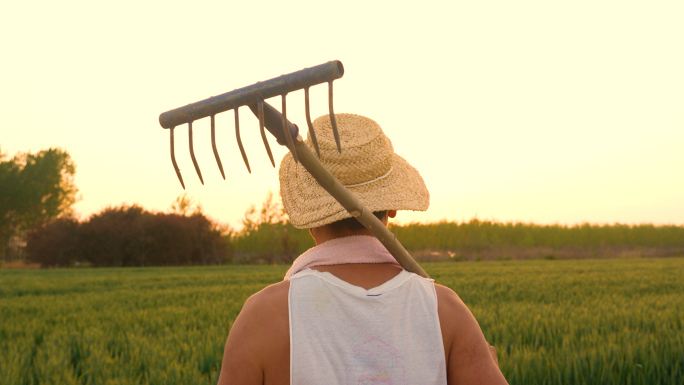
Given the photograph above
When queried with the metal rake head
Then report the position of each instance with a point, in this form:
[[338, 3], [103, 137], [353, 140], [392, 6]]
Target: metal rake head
[[254, 97]]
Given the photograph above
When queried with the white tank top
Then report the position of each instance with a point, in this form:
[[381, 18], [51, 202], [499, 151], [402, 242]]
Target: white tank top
[[345, 334]]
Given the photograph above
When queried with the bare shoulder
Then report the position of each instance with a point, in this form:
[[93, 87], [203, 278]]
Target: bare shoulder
[[258, 343], [451, 311], [267, 313], [467, 352], [272, 295], [264, 309], [450, 304]]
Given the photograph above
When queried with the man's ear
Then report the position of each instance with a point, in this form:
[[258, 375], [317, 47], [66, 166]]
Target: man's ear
[[391, 213]]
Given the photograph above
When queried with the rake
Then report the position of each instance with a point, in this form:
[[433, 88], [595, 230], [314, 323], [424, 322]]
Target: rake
[[286, 134]]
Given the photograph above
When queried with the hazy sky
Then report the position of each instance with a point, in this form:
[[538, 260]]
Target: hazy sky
[[536, 111]]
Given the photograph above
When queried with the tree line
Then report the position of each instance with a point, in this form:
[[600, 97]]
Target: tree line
[[34, 189], [37, 192]]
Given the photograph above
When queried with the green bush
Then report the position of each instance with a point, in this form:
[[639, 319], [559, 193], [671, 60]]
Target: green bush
[[54, 244], [268, 237], [129, 236]]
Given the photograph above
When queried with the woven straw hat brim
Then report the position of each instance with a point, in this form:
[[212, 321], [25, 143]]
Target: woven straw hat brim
[[309, 205]]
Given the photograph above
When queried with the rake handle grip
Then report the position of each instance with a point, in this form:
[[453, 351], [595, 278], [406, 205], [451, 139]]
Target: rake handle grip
[[281, 85], [273, 121]]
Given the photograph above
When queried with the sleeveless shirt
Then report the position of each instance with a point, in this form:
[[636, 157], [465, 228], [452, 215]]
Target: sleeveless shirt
[[344, 334]]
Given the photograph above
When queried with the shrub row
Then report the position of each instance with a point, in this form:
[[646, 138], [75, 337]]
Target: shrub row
[[128, 236], [268, 242], [482, 235], [267, 235], [272, 239]]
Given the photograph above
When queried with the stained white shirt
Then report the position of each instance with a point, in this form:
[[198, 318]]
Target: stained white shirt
[[345, 334]]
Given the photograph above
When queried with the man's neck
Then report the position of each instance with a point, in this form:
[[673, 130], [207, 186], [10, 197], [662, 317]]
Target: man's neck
[[324, 234]]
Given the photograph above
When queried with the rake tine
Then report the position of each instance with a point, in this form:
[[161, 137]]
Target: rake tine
[[312, 134], [192, 153], [333, 123], [237, 135], [173, 160], [260, 104], [286, 129], [213, 146]]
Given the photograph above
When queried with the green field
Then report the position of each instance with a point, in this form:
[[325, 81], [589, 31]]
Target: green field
[[617, 321]]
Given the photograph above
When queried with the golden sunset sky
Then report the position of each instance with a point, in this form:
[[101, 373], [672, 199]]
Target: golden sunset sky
[[531, 111]]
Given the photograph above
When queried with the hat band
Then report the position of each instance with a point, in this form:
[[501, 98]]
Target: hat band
[[370, 181]]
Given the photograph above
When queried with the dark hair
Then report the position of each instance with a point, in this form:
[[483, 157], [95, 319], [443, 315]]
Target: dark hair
[[352, 224]]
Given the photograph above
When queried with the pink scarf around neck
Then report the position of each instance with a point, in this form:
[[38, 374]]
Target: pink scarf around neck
[[340, 251]]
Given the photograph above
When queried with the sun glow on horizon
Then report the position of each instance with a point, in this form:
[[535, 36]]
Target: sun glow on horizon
[[515, 112]]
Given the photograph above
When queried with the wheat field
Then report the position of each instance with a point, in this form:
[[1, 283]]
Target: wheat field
[[617, 321]]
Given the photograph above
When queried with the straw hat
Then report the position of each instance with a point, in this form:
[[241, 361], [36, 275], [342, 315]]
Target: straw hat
[[367, 166]]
